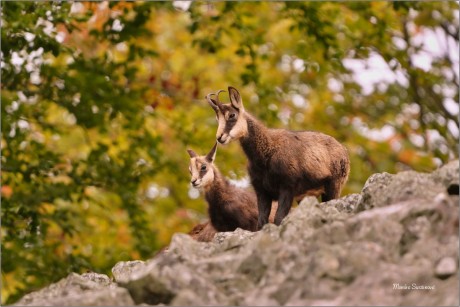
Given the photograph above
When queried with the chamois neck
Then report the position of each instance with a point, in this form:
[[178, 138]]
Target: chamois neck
[[256, 143], [219, 184]]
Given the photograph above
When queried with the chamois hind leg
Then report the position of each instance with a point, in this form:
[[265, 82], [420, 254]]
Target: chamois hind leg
[[264, 204], [284, 205], [332, 190]]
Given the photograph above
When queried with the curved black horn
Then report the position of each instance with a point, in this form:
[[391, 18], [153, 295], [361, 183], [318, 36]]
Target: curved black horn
[[212, 102], [217, 96]]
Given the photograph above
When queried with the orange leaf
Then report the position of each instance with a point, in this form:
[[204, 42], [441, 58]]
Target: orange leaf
[[7, 191]]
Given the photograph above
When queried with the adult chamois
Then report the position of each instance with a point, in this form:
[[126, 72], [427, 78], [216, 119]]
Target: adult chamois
[[283, 164]]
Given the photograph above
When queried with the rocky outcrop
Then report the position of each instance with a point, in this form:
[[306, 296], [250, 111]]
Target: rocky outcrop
[[89, 289], [395, 243]]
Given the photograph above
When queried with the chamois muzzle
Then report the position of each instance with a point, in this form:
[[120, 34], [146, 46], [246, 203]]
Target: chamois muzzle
[[223, 139]]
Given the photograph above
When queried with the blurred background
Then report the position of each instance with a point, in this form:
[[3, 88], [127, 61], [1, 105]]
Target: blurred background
[[101, 100]]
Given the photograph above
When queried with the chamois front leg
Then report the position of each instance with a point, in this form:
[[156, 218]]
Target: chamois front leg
[[284, 205], [264, 204]]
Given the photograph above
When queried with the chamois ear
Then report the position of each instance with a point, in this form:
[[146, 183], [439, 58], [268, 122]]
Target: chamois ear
[[235, 98], [191, 153], [211, 156]]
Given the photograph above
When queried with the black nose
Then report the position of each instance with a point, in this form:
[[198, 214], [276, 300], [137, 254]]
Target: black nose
[[193, 181], [219, 139]]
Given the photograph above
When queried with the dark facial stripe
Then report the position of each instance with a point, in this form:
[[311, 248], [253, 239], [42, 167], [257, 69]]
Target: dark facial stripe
[[198, 165], [229, 126], [229, 123]]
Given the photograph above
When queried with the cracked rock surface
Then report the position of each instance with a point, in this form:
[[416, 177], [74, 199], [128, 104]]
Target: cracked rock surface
[[395, 243]]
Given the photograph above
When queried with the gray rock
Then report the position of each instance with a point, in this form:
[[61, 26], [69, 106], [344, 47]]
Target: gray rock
[[385, 189], [124, 269], [233, 238], [446, 267], [88, 289], [395, 243], [448, 176], [347, 204], [377, 180], [162, 279]]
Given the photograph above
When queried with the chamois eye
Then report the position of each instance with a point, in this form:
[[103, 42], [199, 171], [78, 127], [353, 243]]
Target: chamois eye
[[232, 116], [203, 168]]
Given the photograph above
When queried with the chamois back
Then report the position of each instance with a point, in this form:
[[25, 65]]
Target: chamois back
[[203, 232]]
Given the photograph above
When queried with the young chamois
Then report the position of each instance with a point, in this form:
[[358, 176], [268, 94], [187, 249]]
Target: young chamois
[[229, 207], [283, 164]]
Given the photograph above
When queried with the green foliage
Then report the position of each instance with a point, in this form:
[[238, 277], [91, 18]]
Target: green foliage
[[83, 128], [100, 101]]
